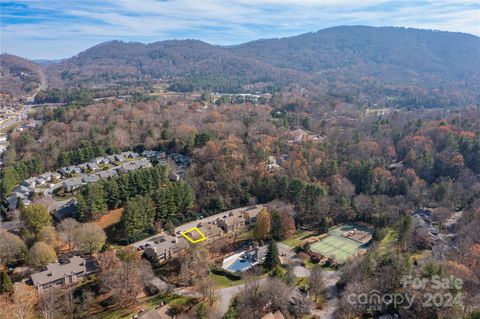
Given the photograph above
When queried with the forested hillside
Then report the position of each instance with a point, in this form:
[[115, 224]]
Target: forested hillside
[[392, 66], [201, 65], [18, 76]]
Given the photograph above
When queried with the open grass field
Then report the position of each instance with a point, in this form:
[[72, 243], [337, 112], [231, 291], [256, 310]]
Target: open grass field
[[338, 247]]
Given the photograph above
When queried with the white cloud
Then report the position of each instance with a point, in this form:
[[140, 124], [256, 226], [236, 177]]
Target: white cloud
[[87, 22]]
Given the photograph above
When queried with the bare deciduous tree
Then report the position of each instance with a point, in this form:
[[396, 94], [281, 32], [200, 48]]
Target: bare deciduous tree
[[67, 230], [317, 283]]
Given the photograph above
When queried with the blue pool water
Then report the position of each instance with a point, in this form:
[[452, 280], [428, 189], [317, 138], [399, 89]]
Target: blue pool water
[[240, 265]]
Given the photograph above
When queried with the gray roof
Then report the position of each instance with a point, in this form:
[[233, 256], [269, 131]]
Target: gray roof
[[57, 271], [90, 178], [74, 182], [119, 157], [163, 243], [30, 181], [92, 166]]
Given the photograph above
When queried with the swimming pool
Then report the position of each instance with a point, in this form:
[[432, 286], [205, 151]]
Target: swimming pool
[[240, 265]]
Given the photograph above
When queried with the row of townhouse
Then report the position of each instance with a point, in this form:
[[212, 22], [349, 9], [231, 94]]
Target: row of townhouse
[[165, 246], [63, 273], [128, 161], [75, 183], [27, 187], [93, 164]]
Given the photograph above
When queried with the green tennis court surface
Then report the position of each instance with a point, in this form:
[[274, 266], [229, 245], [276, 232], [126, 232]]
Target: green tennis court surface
[[336, 246]]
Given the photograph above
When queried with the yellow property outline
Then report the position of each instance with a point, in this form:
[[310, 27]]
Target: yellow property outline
[[202, 238]]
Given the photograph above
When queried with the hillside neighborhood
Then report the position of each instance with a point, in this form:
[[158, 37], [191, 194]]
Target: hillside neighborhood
[[239, 159]]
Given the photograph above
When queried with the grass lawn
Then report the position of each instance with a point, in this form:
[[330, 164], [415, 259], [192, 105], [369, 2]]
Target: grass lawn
[[224, 282], [386, 242], [110, 218], [296, 239]]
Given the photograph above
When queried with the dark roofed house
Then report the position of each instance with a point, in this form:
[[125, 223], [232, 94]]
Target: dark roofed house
[[58, 274]]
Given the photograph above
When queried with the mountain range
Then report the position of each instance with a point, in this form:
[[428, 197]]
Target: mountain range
[[363, 59]]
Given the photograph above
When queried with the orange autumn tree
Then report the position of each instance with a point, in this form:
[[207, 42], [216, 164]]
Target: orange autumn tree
[[263, 227]]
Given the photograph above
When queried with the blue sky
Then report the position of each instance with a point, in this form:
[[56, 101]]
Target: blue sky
[[52, 29]]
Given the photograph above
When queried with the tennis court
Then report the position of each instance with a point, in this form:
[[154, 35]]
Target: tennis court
[[336, 246]]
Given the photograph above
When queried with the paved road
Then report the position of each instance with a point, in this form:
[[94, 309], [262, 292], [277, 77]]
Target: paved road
[[331, 278], [26, 107]]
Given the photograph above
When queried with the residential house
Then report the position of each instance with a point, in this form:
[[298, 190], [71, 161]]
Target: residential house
[[180, 159], [55, 176], [74, 169], [154, 154], [30, 182], [111, 158], [96, 160], [119, 158], [47, 176], [250, 213], [272, 164], [93, 166], [92, 178], [231, 222], [210, 230], [130, 154], [107, 174], [60, 274], [162, 247], [40, 181], [143, 162], [72, 184], [127, 167], [64, 171]]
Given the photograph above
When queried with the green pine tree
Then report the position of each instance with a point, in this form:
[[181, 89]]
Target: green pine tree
[[272, 260], [6, 285]]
